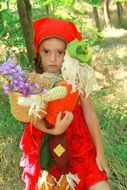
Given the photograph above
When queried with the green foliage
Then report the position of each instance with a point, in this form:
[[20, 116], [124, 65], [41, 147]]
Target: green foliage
[[56, 2], [12, 35], [95, 3], [11, 3], [120, 1], [3, 1]]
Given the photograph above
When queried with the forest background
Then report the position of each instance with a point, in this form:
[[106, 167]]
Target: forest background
[[104, 25]]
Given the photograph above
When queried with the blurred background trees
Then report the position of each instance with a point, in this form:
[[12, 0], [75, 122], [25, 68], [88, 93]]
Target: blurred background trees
[[16, 18]]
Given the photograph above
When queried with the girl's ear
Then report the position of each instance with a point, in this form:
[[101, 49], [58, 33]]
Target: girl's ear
[[37, 64]]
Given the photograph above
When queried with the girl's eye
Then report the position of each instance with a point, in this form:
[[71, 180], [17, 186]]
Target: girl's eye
[[45, 51], [61, 52]]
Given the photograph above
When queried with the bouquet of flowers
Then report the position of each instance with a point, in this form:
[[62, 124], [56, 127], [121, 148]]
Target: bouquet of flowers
[[28, 92], [15, 79]]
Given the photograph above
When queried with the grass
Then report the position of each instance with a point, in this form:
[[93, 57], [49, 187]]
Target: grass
[[113, 123], [111, 107], [10, 132]]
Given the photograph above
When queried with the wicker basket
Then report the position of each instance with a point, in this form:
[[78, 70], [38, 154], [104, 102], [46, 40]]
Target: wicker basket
[[18, 111]]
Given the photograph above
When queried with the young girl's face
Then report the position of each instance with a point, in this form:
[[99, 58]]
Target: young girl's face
[[52, 52]]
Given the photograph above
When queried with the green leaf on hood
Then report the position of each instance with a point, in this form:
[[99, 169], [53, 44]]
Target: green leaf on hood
[[79, 50]]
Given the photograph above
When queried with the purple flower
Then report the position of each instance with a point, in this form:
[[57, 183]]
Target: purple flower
[[44, 91], [19, 70], [7, 67], [36, 85], [25, 92], [17, 80], [6, 88]]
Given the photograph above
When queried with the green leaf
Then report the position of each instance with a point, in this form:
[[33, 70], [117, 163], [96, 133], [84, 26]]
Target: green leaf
[[79, 50]]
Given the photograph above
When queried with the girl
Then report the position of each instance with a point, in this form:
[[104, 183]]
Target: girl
[[81, 127]]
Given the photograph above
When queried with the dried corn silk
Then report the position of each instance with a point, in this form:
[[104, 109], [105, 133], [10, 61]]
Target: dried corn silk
[[81, 77], [46, 181]]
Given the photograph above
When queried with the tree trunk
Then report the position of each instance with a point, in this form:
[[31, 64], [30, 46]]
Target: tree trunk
[[106, 14], [125, 5], [52, 7], [29, 16], [119, 12], [1, 20], [24, 9], [2, 28], [7, 4], [47, 9], [29, 12], [97, 22]]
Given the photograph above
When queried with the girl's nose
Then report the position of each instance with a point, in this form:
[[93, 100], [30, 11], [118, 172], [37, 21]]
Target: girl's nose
[[52, 57]]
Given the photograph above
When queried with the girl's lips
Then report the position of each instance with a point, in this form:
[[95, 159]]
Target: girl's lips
[[52, 66]]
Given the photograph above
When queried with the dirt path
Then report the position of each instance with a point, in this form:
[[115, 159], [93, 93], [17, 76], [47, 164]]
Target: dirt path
[[110, 63]]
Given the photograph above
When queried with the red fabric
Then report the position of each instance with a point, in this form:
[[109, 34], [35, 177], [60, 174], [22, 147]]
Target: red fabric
[[82, 154], [51, 27], [67, 103]]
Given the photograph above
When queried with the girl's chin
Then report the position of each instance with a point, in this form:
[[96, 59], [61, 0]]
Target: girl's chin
[[53, 70]]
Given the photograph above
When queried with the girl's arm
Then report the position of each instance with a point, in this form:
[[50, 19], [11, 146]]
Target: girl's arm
[[60, 126], [94, 128]]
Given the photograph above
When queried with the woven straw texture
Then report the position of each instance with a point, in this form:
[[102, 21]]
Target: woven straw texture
[[18, 111]]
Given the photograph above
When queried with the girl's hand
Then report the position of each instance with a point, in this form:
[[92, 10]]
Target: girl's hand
[[102, 164], [62, 123]]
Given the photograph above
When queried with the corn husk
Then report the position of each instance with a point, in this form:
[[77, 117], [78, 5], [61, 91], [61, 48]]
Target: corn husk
[[80, 76]]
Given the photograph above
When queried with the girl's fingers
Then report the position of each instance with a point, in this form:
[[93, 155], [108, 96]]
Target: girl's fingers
[[64, 122], [59, 116], [99, 165], [68, 118], [102, 166], [68, 115], [106, 169]]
